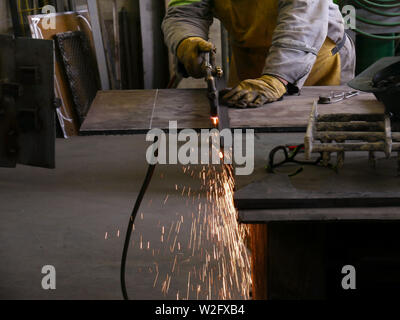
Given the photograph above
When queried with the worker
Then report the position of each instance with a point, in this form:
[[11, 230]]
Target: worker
[[278, 46]]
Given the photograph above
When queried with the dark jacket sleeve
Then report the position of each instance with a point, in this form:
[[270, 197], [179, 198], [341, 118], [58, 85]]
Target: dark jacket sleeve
[[184, 19]]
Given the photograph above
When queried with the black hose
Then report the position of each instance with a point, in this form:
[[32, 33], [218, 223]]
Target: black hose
[[150, 170], [369, 6], [132, 218]]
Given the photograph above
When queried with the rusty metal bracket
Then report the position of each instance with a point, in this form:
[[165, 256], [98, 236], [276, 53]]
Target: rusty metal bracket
[[340, 133], [337, 97]]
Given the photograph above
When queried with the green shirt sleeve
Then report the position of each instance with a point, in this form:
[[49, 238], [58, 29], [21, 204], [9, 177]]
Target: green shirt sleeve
[[174, 3]]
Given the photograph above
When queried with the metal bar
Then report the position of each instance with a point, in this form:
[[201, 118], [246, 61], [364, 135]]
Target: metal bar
[[223, 117], [340, 159], [319, 214], [212, 92], [309, 138], [155, 53], [343, 135], [18, 28], [395, 146], [388, 136], [135, 36], [60, 5], [347, 117], [125, 51], [338, 147], [98, 43], [120, 132], [396, 136], [35, 7], [71, 5], [117, 45], [321, 201], [350, 126]]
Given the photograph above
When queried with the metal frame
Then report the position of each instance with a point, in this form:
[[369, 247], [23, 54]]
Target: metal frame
[[276, 199], [98, 43], [340, 133], [27, 104], [155, 53]]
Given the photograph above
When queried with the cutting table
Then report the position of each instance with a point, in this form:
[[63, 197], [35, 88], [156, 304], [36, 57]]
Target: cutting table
[[130, 112], [304, 228]]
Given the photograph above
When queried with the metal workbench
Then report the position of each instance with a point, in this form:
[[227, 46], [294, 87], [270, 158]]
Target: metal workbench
[[135, 111], [301, 234]]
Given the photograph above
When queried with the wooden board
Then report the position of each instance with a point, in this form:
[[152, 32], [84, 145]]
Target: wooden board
[[128, 111]]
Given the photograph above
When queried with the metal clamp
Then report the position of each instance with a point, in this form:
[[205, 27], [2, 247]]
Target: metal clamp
[[334, 98]]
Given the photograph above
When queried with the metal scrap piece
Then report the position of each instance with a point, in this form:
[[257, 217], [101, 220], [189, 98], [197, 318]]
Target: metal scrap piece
[[337, 97], [342, 133]]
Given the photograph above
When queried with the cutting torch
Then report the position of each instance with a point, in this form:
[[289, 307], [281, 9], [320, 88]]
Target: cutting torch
[[212, 73]]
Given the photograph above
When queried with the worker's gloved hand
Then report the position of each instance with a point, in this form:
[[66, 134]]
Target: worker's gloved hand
[[190, 55], [254, 93]]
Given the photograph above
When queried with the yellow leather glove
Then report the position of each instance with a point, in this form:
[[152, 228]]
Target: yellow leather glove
[[254, 93], [189, 54]]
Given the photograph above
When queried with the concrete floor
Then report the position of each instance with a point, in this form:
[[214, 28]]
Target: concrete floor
[[75, 218], [60, 217]]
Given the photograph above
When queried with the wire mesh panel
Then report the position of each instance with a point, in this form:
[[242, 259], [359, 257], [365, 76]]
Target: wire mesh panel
[[80, 69]]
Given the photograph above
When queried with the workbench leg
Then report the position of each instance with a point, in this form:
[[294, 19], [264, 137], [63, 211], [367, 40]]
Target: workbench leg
[[258, 247], [304, 260], [288, 260]]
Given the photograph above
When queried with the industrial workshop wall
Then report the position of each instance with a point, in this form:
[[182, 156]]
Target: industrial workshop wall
[[5, 18], [377, 30], [133, 40], [155, 53]]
